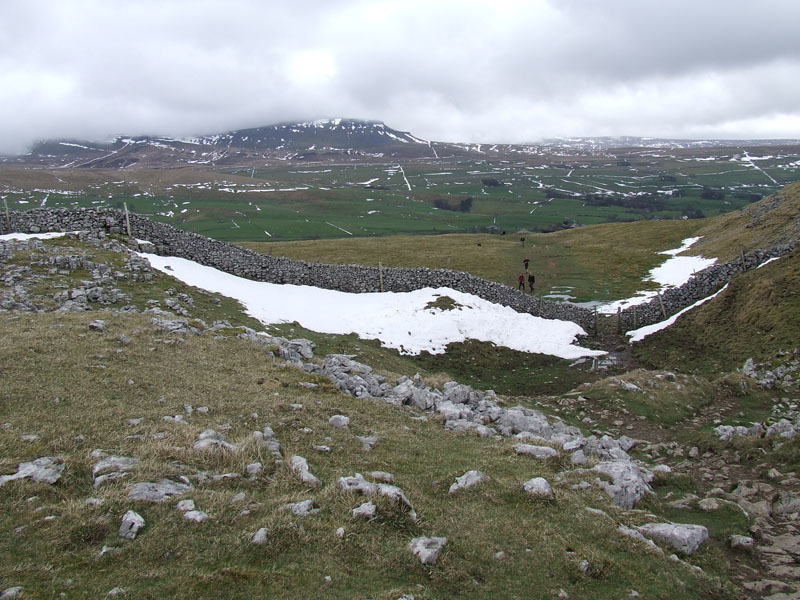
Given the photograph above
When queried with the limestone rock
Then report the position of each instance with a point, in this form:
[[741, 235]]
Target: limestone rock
[[212, 439], [299, 466], [742, 542], [467, 480], [303, 509], [98, 325], [40, 470], [198, 516], [365, 511], [132, 522], [684, 538], [339, 421], [260, 537], [628, 484], [540, 452], [427, 549], [159, 491], [539, 487]]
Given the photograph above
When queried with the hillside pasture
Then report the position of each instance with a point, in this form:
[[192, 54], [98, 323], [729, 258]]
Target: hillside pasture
[[507, 192]]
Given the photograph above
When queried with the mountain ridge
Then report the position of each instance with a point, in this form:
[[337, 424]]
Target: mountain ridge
[[318, 140]]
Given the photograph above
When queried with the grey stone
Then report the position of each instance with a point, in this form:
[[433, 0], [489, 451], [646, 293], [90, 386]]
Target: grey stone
[[299, 466], [742, 542], [40, 470], [11, 592], [159, 491], [198, 516], [366, 511], [98, 325], [628, 484], [302, 509], [211, 439], [339, 421], [539, 487], [540, 452], [260, 537], [684, 538], [427, 549], [114, 463], [467, 480], [367, 441], [132, 522]]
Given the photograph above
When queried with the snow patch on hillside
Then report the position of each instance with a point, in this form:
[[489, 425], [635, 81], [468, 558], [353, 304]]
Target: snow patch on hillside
[[405, 321]]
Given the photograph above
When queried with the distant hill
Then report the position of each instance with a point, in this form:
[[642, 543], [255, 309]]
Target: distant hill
[[322, 140], [317, 140]]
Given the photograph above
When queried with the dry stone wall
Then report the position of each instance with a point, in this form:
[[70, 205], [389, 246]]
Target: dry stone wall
[[702, 285], [170, 241]]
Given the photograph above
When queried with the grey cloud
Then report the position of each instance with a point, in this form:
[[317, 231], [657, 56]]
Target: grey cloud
[[467, 70]]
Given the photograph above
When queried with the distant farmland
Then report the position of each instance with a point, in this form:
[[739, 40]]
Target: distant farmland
[[293, 201]]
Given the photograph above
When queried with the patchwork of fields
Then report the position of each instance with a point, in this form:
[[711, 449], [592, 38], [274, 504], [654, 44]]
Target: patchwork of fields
[[543, 191]]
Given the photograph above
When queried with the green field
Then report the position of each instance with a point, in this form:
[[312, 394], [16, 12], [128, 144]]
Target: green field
[[545, 192]]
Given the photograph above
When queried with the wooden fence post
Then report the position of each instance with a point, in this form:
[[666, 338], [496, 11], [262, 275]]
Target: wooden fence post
[[744, 264], [127, 218], [595, 320], [8, 218], [661, 302], [634, 317], [619, 320], [380, 273]]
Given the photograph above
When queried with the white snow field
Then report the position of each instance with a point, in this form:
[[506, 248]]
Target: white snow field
[[403, 321], [675, 271]]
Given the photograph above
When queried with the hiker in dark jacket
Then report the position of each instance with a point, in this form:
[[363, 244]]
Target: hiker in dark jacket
[[531, 281]]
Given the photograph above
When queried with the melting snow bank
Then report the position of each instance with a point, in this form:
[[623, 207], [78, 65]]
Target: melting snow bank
[[405, 321], [674, 271], [638, 335], [31, 236]]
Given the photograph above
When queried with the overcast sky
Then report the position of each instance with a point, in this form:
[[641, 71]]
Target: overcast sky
[[447, 70]]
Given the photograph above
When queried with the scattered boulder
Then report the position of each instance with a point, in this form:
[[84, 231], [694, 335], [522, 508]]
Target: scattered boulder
[[40, 470], [467, 480], [427, 549], [742, 542], [260, 537], [357, 483], [540, 452], [366, 511], [98, 325], [212, 439], [629, 484], [303, 509], [132, 522], [339, 421], [538, 487], [149, 491], [299, 466], [198, 516], [684, 538]]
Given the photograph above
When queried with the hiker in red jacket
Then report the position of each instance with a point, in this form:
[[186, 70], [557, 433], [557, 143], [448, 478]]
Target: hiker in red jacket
[[521, 282]]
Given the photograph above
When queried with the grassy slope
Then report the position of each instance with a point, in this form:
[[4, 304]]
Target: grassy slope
[[766, 223], [601, 262], [89, 384], [759, 312]]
